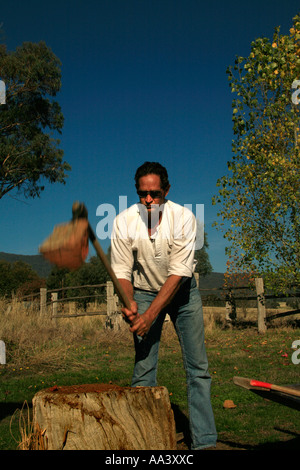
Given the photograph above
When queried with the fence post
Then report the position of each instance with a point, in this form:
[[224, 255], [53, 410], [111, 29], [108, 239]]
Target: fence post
[[230, 307], [43, 300], [113, 318], [54, 296], [261, 307]]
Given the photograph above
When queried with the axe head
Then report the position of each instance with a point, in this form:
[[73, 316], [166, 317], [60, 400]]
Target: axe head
[[68, 244]]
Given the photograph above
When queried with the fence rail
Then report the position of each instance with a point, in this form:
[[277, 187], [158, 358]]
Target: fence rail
[[112, 305], [109, 296], [260, 297]]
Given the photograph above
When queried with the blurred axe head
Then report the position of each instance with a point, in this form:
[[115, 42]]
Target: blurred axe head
[[68, 244]]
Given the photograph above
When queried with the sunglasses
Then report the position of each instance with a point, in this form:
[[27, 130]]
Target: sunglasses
[[153, 194]]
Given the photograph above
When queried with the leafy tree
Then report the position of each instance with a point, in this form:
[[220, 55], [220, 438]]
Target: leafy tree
[[5, 277], [31, 288], [260, 196], [57, 278], [15, 275], [203, 266], [29, 153], [89, 274]]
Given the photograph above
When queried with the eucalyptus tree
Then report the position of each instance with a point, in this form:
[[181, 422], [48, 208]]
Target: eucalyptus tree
[[30, 120], [259, 197]]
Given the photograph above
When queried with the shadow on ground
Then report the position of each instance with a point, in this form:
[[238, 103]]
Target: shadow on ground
[[290, 441]]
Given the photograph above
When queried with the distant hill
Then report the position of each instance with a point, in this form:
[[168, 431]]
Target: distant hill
[[43, 269], [37, 262], [211, 281]]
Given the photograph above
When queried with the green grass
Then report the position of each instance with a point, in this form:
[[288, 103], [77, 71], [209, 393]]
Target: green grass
[[255, 423]]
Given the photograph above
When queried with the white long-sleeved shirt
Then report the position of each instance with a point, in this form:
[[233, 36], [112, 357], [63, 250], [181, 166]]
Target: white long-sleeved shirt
[[148, 261]]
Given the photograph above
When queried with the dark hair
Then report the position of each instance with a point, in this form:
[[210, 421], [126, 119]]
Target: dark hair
[[153, 168]]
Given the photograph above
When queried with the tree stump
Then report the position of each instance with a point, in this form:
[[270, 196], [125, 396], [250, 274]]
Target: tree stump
[[105, 417]]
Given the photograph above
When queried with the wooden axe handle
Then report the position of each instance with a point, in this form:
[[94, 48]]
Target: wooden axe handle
[[119, 289], [79, 211]]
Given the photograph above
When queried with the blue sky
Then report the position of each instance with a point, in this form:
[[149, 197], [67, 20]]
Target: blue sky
[[141, 80]]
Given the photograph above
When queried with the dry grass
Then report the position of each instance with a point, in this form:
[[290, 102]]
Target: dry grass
[[32, 339], [31, 435]]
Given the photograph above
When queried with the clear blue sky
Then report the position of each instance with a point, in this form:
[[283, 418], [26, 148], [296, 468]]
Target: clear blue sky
[[141, 80]]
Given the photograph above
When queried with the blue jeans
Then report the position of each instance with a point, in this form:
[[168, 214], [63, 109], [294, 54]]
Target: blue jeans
[[186, 313]]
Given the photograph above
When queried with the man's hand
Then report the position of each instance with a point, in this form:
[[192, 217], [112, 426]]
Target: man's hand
[[141, 324], [130, 315]]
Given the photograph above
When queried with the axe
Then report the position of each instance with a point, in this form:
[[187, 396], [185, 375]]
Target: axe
[[67, 247], [252, 384]]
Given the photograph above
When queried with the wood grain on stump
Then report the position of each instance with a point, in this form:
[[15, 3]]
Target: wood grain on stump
[[105, 417]]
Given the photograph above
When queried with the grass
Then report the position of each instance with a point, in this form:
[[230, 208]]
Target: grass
[[40, 355]]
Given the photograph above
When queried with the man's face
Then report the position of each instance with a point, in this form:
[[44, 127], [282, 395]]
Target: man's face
[[150, 192]]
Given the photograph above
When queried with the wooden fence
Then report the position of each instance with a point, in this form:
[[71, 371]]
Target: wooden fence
[[109, 297], [113, 308], [260, 296]]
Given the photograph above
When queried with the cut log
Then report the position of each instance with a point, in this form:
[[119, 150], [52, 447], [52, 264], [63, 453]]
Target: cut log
[[105, 417]]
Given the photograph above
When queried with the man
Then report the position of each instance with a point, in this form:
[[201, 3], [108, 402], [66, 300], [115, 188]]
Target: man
[[152, 254]]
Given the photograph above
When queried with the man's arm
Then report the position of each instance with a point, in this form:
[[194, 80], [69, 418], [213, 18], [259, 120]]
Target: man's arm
[[128, 289], [142, 323]]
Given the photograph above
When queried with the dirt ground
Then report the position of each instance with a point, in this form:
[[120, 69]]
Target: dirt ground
[[220, 446]]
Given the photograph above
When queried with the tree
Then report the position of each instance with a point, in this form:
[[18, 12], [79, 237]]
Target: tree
[[57, 278], [15, 275], [29, 153], [90, 273], [260, 196], [203, 266]]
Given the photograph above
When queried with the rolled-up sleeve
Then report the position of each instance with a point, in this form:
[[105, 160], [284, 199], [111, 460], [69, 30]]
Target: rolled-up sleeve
[[182, 261], [121, 251]]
